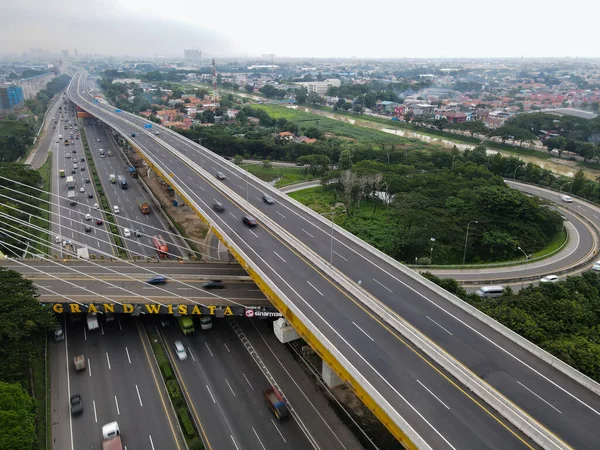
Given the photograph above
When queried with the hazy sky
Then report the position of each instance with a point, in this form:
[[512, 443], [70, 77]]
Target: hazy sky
[[319, 28]]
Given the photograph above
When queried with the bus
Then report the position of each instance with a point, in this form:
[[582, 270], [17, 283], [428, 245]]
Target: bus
[[70, 182], [62, 173]]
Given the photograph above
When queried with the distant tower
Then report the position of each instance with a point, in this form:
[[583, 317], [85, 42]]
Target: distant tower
[[214, 80]]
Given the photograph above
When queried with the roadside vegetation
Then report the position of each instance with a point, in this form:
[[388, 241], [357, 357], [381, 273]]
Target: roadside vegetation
[[184, 416], [284, 175], [562, 318], [42, 223], [102, 199], [24, 325]]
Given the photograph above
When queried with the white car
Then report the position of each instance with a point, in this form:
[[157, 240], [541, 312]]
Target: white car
[[116, 209], [88, 217], [82, 190], [127, 232], [96, 206], [566, 199], [180, 350], [549, 279], [596, 266]]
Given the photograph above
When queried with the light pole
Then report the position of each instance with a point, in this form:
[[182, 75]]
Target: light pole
[[564, 184], [246, 182], [431, 250], [388, 155], [466, 240], [333, 213], [526, 264], [515, 174], [452, 165], [200, 144]]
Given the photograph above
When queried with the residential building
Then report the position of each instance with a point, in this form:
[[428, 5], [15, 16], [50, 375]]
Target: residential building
[[64, 53], [192, 55], [11, 96], [320, 87]]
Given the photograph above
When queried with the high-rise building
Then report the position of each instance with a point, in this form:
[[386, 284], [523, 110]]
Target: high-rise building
[[76, 53], [192, 55], [64, 53], [11, 96]]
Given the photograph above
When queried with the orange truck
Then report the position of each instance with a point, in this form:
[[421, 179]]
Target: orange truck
[[275, 402], [144, 206], [161, 246]]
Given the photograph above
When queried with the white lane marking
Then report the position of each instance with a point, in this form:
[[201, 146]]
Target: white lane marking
[[191, 354], [382, 285], [184, 289], [281, 214], [261, 444], [226, 347], [89, 367], [95, 415], [211, 396], [277, 428], [211, 353], [253, 233], [353, 323], [247, 381], [551, 406], [340, 256], [128, 358], [436, 397], [439, 326], [232, 214], [117, 403], [84, 334], [595, 216], [277, 254], [108, 361], [241, 187], [230, 388], [307, 233], [234, 443], [151, 443], [311, 285], [139, 396], [119, 320]]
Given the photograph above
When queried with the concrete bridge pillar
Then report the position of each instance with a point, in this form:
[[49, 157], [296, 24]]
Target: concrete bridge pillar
[[330, 378], [284, 332]]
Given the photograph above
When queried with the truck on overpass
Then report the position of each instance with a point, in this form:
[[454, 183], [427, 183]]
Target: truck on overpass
[[144, 206], [186, 324], [161, 246]]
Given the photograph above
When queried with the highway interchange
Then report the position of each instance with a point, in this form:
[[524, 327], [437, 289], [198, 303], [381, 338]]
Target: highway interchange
[[492, 357]]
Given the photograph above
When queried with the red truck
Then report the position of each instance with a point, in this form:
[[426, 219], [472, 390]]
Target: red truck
[[161, 246], [275, 402]]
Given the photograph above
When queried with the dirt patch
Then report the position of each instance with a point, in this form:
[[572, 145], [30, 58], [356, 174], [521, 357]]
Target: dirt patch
[[188, 223]]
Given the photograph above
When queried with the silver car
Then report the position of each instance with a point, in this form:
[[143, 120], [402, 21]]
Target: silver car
[[180, 350]]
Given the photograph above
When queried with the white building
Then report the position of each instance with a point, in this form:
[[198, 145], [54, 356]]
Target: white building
[[320, 87]]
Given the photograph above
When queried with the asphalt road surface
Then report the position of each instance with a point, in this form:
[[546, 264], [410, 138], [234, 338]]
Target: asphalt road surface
[[120, 383], [444, 414]]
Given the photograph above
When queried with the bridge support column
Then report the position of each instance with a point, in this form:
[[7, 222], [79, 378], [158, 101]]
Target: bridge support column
[[284, 332], [330, 378], [149, 172]]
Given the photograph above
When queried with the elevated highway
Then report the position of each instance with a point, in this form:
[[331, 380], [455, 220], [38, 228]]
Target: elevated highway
[[321, 278]]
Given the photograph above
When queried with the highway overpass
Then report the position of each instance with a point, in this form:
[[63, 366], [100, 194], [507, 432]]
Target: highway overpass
[[359, 309]]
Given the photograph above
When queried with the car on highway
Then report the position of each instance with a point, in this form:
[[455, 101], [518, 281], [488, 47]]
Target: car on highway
[[87, 180], [214, 284], [157, 279], [75, 166], [180, 350], [96, 206], [82, 190], [549, 279], [68, 156], [76, 405], [127, 232], [82, 168], [132, 134], [220, 176], [596, 266], [268, 199], [116, 209], [218, 207], [90, 195], [82, 160], [88, 217], [87, 228], [99, 221], [250, 221], [98, 139], [157, 133], [137, 233], [566, 199]]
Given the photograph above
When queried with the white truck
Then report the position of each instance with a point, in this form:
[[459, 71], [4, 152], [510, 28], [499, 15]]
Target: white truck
[[92, 322], [112, 437], [72, 196], [112, 178]]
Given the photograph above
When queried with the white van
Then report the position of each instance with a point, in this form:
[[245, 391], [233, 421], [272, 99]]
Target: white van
[[490, 291], [116, 209], [110, 430]]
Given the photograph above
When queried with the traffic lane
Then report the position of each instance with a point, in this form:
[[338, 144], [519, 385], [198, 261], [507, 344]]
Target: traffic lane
[[205, 409], [59, 391], [198, 270], [299, 387], [246, 381], [295, 274]]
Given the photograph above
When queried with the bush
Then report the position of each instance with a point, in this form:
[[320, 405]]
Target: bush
[[186, 423]]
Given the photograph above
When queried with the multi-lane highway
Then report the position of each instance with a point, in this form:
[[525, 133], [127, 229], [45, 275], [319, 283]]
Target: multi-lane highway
[[439, 410], [130, 216], [69, 221], [121, 382]]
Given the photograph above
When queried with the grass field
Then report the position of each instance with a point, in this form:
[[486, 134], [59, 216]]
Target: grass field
[[332, 126], [286, 175]]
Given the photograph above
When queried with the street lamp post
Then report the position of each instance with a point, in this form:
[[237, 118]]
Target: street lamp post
[[333, 213], [563, 185], [515, 174], [431, 250], [526, 264], [200, 144], [246, 182], [452, 165], [466, 240]]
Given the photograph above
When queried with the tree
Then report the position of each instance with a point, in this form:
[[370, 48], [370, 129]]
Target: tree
[[249, 88], [313, 133], [345, 161], [346, 106], [339, 104], [357, 109], [316, 164], [314, 98], [301, 95], [267, 164], [237, 159], [208, 116], [17, 417], [186, 100]]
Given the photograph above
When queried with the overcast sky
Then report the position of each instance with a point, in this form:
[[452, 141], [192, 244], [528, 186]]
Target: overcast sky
[[317, 28]]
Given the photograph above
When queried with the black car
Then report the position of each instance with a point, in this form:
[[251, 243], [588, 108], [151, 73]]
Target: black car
[[88, 228], [82, 159], [90, 195], [250, 221], [76, 405], [214, 284], [218, 207], [87, 180]]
